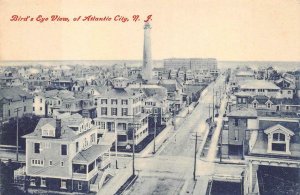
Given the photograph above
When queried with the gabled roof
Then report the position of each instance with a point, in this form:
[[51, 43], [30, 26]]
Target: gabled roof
[[292, 125], [277, 127], [14, 93]]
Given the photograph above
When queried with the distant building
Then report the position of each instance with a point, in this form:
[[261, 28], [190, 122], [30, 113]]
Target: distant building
[[39, 104], [12, 99], [191, 63]]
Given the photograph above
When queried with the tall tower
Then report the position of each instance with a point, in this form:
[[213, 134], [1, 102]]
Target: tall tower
[[147, 60]]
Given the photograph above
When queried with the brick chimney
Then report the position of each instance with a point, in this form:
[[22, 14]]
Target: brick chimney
[[58, 128]]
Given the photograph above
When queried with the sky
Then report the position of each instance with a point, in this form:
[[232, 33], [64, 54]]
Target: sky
[[227, 30]]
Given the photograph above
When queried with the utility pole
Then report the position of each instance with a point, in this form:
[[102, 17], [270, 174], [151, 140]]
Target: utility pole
[[221, 139], [116, 143], [155, 121], [195, 155], [213, 111], [17, 139]]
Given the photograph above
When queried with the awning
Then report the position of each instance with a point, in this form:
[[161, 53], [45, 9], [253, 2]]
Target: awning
[[91, 154]]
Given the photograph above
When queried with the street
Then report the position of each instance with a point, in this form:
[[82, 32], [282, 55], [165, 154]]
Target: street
[[170, 170]]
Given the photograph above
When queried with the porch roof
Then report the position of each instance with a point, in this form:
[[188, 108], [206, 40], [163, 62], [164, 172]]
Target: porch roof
[[90, 154]]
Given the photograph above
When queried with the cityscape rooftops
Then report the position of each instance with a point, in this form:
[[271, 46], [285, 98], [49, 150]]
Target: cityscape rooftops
[[14, 94]]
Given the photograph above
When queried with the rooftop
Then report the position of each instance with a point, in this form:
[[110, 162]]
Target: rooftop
[[258, 84], [90, 154], [243, 112]]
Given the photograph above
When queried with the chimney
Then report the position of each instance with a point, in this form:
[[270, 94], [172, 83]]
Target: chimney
[[58, 128]]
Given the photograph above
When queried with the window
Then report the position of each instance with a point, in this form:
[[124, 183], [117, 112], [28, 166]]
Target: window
[[50, 162], [278, 142], [64, 149], [114, 111], [41, 100], [114, 101], [68, 105], [61, 163], [32, 182], [46, 145], [79, 185], [36, 148], [102, 125], [37, 162], [244, 100], [103, 111], [24, 108], [278, 137], [103, 101], [287, 108], [268, 105], [93, 138], [236, 122], [77, 146], [289, 92], [43, 182], [41, 108], [63, 184], [33, 100], [124, 102], [124, 111], [254, 105], [33, 109], [48, 132]]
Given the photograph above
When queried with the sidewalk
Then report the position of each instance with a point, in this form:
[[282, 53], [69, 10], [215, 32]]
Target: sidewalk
[[121, 176], [166, 133]]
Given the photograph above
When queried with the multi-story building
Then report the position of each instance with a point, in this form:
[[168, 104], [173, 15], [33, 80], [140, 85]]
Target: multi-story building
[[191, 63], [120, 108], [39, 104], [240, 120], [260, 87], [13, 99], [63, 154]]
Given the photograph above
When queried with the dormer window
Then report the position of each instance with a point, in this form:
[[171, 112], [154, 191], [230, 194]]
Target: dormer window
[[48, 131], [255, 105], [279, 139], [278, 142]]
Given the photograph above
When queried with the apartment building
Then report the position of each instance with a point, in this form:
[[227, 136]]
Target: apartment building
[[121, 108]]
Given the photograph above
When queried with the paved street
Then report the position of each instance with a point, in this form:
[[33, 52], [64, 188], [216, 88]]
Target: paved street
[[173, 162]]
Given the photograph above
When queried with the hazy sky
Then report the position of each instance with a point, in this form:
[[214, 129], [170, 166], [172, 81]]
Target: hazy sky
[[225, 29]]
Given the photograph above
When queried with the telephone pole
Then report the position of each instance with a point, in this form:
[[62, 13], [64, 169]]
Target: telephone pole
[[213, 111], [155, 121], [195, 156], [116, 143], [17, 110]]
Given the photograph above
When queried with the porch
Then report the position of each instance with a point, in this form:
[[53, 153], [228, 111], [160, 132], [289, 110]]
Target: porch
[[87, 163]]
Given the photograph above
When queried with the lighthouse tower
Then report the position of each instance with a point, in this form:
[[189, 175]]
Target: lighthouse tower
[[147, 60]]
